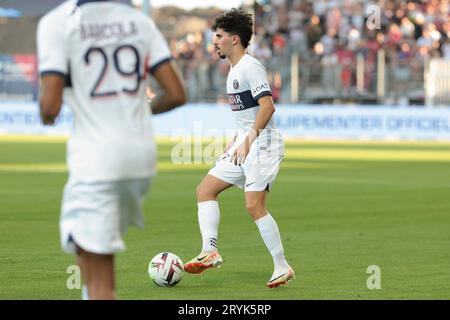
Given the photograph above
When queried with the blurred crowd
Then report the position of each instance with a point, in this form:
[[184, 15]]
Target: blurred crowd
[[328, 36]]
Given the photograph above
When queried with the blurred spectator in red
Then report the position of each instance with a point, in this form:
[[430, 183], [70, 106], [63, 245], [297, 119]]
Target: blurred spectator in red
[[346, 59]]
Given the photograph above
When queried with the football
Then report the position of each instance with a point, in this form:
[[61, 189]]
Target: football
[[165, 269]]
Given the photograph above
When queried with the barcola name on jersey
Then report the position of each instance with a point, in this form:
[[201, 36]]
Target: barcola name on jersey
[[108, 30]]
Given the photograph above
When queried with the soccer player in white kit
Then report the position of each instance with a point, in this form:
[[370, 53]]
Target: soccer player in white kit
[[251, 161], [97, 56]]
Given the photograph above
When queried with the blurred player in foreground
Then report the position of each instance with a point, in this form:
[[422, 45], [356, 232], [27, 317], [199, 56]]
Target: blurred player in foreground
[[97, 54]]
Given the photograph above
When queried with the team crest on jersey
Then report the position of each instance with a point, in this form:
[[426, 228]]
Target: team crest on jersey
[[235, 84]]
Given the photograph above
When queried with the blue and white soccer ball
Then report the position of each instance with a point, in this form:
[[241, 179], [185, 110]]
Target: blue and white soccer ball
[[165, 269]]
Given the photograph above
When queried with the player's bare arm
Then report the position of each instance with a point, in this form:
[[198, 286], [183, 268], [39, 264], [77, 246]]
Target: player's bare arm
[[173, 91], [263, 116], [50, 100]]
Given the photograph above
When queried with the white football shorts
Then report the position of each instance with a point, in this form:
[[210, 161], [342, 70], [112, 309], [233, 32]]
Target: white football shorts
[[259, 170], [95, 215]]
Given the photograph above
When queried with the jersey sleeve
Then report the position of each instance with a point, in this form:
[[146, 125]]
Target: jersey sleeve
[[51, 47], [159, 49], [257, 80]]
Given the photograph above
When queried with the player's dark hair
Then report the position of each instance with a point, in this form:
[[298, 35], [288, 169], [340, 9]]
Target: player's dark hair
[[235, 22]]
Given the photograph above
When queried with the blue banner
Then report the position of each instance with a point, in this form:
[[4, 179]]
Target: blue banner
[[295, 121]]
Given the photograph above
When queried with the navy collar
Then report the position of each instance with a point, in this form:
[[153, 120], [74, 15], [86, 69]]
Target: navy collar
[[81, 2]]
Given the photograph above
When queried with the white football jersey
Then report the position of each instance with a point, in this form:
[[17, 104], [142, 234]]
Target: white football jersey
[[105, 50], [246, 83]]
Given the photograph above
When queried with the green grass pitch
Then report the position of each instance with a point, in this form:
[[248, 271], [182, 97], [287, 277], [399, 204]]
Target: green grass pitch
[[341, 207]]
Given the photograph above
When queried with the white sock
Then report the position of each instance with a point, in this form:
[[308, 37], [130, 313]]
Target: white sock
[[208, 220], [84, 293], [268, 229]]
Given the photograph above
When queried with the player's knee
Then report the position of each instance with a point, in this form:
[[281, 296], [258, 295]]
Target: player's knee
[[199, 191], [253, 207], [203, 193]]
